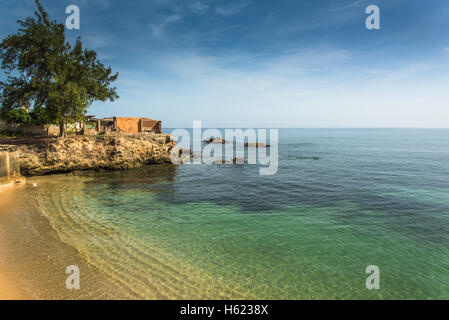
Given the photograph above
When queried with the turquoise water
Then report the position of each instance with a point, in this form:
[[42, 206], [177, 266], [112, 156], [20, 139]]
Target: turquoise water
[[374, 197]]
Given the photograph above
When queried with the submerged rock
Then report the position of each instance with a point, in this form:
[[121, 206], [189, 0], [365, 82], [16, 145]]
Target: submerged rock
[[231, 161], [217, 140], [185, 151], [308, 158], [257, 144]]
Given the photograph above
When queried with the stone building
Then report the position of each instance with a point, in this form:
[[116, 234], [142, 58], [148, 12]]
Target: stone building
[[90, 126], [134, 125]]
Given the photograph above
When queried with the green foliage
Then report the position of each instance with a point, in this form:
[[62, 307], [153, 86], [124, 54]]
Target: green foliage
[[58, 80], [20, 116]]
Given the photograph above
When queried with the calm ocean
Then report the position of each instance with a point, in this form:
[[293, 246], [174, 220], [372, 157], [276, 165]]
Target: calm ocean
[[375, 197]]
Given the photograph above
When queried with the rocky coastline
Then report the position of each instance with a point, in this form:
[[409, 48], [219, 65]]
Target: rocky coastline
[[47, 155]]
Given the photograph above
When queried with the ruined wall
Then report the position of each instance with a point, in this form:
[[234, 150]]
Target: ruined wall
[[9, 166], [128, 125], [150, 125], [135, 125]]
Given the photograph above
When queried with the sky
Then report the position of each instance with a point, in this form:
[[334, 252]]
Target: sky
[[266, 63]]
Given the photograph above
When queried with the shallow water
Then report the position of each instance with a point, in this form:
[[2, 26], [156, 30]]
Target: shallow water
[[374, 197]]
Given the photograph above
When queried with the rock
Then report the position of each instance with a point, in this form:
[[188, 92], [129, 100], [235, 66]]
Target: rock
[[217, 140], [161, 140], [184, 151], [257, 144], [233, 161], [93, 153]]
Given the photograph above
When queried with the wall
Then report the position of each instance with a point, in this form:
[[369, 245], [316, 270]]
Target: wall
[[30, 129], [128, 125], [9, 166], [151, 125]]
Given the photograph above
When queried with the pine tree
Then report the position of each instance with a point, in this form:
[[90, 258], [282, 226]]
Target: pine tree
[[49, 74]]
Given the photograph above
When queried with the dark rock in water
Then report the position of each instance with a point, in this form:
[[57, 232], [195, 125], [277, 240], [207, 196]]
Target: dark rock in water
[[308, 158], [233, 161], [217, 140], [185, 151], [257, 144]]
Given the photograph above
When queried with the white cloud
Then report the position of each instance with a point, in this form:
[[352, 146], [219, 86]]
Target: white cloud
[[298, 89]]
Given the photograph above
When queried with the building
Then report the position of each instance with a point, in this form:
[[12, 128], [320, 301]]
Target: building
[[122, 124], [136, 125], [90, 126]]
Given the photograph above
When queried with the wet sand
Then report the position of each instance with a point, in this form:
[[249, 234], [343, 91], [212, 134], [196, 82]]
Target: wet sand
[[9, 286], [10, 289], [33, 260]]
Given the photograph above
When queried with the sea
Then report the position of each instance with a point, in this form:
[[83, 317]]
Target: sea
[[343, 202]]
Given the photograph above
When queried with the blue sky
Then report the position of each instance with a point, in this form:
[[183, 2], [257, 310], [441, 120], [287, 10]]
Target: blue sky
[[285, 63]]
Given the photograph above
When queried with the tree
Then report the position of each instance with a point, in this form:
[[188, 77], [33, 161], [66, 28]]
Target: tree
[[17, 116], [46, 72]]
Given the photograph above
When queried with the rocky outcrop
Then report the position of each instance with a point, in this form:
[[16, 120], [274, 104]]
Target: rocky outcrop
[[216, 140], [257, 144], [53, 155], [231, 161]]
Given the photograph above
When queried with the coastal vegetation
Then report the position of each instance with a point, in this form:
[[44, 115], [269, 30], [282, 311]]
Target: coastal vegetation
[[49, 80]]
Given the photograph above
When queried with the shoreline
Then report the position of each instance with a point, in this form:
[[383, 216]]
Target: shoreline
[[33, 258], [38, 156], [37, 254], [10, 288]]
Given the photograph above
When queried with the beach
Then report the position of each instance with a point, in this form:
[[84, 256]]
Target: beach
[[33, 259], [10, 289], [373, 197], [9, 286]]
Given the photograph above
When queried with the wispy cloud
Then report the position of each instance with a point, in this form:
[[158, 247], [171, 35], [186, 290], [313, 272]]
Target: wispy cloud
[[314, 88], [158, 30], [230, 10], [197, 7]]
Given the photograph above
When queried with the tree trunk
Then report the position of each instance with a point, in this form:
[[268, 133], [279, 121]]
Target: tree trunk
[[62, 129]]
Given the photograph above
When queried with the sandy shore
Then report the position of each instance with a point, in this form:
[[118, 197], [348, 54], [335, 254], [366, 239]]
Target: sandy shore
[[33, 259], [9, 286]]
